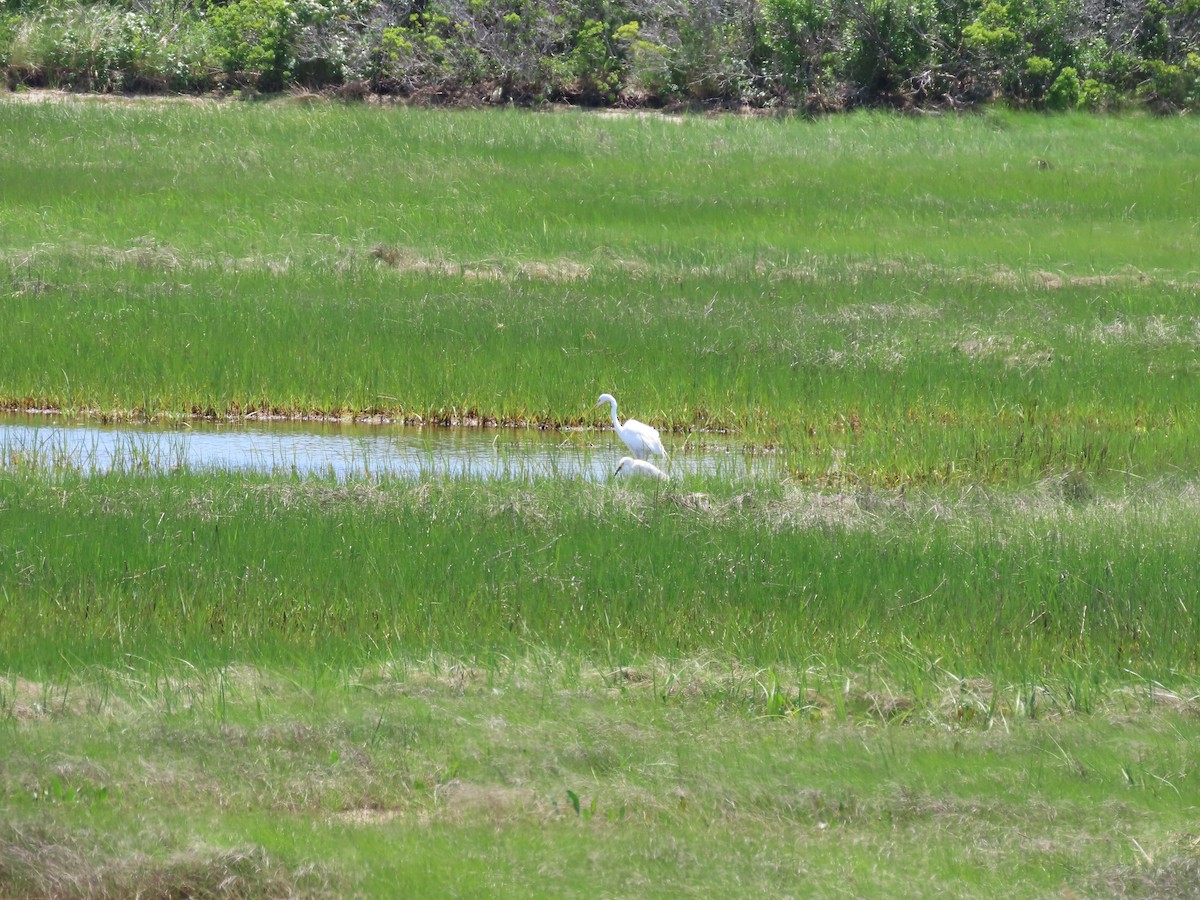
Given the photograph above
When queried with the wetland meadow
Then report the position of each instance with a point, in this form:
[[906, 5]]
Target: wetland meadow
[[930, 631]]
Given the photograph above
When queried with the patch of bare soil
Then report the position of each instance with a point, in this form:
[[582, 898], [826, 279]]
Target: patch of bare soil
[[52, 95]]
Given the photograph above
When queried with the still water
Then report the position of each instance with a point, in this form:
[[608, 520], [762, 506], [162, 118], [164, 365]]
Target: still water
[[352, 451]]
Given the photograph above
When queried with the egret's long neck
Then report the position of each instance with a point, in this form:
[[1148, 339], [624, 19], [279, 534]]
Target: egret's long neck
[[616, 422]]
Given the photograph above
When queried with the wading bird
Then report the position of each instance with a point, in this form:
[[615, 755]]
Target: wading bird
[[640, 438], [639, 468]]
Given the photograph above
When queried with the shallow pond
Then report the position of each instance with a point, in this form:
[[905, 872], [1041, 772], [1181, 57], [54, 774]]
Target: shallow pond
[[342, 450]]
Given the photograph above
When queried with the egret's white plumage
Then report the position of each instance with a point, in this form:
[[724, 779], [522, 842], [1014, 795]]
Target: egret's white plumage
[[639, 468], [640, 438]]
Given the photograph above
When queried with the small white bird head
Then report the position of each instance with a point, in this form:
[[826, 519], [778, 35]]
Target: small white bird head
[[606, 398]]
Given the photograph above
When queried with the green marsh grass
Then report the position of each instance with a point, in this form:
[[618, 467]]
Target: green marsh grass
[[985, 297], [970, 381], [297, 183], [1021, 587]]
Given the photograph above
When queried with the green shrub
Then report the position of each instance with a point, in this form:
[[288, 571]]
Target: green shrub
[[1094, 59], [1066, 91], [256, 38], [396, 43], [595, 63], [187, 53], [1176, 85], [83, 46], [888, 43], [1152, 37], [1051, 28], [1035, 78], [649, 68], [711, 50], [791, 35], [1022, 43], [430, 49], [1120, 69], [514, 44], [1096, 95], [993, 35], [9, 24], [103, 47], [591, 56]]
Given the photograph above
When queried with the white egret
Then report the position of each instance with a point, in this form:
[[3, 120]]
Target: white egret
[[639, 468], [640, 438]]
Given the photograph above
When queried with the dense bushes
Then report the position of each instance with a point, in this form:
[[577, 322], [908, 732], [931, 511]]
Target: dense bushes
[[818, 54]]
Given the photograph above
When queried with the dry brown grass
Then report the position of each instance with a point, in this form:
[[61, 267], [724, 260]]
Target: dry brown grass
[[881, 312], [1174, 877], [33, 701], [497, 805], [43, 862], [407, 261]]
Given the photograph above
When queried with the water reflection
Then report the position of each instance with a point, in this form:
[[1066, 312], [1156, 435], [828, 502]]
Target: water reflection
[[354, 451]]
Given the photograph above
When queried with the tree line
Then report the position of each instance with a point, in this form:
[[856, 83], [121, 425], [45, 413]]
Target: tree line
[[814, 55]]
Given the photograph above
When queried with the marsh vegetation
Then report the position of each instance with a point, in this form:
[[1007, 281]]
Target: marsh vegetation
[[959, 616]]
